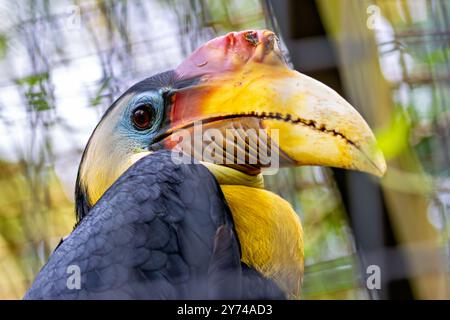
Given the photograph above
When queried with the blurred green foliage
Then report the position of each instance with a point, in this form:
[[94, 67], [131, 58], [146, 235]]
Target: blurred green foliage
[[59, 76]]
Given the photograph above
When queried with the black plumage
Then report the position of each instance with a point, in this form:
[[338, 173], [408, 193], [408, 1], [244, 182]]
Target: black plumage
[[161, 231]]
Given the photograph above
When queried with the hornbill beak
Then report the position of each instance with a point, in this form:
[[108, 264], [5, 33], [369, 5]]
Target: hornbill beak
[[241, 81]]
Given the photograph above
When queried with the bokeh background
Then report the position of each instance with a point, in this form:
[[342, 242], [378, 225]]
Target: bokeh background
[[62, 63]]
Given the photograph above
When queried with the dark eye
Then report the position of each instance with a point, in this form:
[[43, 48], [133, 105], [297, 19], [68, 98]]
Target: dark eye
[[143, 117]]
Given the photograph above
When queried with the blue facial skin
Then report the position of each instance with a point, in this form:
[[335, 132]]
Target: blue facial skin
[[141, 139]]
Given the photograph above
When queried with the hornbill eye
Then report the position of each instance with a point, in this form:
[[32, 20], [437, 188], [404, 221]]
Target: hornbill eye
[[143, 116]]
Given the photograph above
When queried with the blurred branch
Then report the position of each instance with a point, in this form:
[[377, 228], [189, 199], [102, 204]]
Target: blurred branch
[[405, 187]]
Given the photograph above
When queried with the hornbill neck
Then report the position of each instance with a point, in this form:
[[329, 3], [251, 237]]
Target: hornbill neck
[[270, 234], [268, 228]]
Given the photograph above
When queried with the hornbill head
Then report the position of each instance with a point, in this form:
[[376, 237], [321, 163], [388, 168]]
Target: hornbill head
[[239, 81]]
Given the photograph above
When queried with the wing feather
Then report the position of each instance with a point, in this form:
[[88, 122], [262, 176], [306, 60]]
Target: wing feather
[[162, 231]]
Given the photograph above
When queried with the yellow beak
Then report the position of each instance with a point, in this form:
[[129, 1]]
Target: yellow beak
[[242, 81]]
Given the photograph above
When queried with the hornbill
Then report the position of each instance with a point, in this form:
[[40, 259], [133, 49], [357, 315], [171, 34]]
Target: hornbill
[[150, 227]]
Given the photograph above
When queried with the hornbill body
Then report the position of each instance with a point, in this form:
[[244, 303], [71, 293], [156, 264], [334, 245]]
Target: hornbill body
[[152, 228]]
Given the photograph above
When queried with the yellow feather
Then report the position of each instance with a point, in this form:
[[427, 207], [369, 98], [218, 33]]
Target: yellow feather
[[270, 234]]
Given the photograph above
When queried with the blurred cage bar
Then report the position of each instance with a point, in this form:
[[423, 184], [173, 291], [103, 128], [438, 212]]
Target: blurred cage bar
[[64, 62], [394, 60]]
